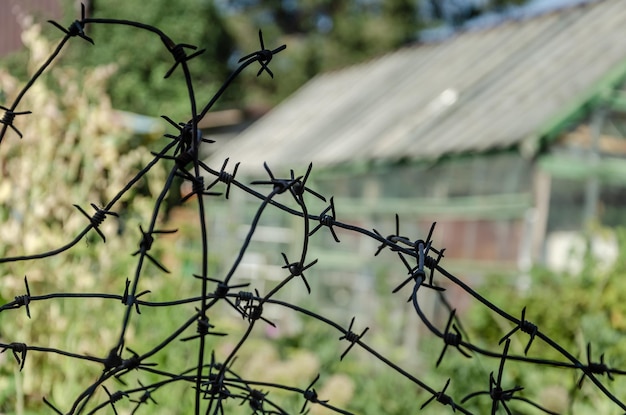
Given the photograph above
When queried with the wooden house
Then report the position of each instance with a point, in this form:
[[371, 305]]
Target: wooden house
[[511, 137]]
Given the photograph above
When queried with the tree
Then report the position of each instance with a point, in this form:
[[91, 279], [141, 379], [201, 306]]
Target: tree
[[139, 80], [321, 35], [457, 12]]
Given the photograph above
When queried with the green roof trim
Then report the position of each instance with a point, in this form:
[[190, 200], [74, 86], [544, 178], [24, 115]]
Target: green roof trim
[[604, 91], [499, 206], [608, 170], [617, 102]]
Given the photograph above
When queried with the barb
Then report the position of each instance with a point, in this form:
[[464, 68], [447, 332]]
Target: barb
[[327, 220], [146, 243], [441, 397], [296, 269], [495, 392], [21, 300], [186, 133], [222, 289], [216, 390], [299, 187], [416, 275], [112, 360], [391, 239], [452, 339], [197, 188], [253, 308], [310, 394], [97, 219], [115, 397], [224, 177], [19, 351], [351, 337], [135, 361], [180, 56], [500, 396], [203, 329], [280, 186], [128, 299], [263, 56], [596, 368], [256, 399], [526, 327], [77, 28], [144, 399], [9, 117]]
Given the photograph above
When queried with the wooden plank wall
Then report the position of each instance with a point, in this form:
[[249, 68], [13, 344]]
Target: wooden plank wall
[[10, 12]]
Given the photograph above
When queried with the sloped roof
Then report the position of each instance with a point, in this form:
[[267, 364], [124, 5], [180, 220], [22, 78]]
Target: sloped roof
[[478, 91]]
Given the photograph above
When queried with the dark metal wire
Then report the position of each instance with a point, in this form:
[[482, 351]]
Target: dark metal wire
[[216, 384]]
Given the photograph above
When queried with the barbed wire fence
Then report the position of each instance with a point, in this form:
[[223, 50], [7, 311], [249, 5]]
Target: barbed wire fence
[[214, 382]]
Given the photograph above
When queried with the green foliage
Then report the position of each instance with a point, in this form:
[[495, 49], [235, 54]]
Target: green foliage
[[142, 61], [320, 35], [73, 151], [573, 310]]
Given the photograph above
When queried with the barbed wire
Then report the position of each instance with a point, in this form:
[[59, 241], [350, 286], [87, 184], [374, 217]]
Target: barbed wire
[[216, 383]]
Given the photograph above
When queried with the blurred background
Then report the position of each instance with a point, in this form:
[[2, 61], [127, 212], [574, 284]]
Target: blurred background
[[503, 121]]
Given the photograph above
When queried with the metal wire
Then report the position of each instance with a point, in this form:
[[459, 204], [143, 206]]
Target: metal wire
[[216, 383]]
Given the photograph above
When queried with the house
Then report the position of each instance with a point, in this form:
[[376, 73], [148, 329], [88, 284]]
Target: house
[[511, 137], [11, 11]]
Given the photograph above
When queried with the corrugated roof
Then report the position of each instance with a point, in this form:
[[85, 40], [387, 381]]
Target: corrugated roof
[[479, 91]]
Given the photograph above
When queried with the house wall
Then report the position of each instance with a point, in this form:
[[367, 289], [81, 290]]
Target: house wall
[[486, 208], [10, 14], [480, 205], [587, 168]]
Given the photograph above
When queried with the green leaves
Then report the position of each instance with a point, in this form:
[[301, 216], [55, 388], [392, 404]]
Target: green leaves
[[138, 86]]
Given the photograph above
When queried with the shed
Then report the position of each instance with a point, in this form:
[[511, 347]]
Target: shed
[[510, 137]]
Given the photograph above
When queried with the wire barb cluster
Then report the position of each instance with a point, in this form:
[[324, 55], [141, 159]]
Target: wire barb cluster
[[352, 338], [19, 351], [263, 56], [77, 28], [97, 219], [526, 327], [216, 385], [9, 117]]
